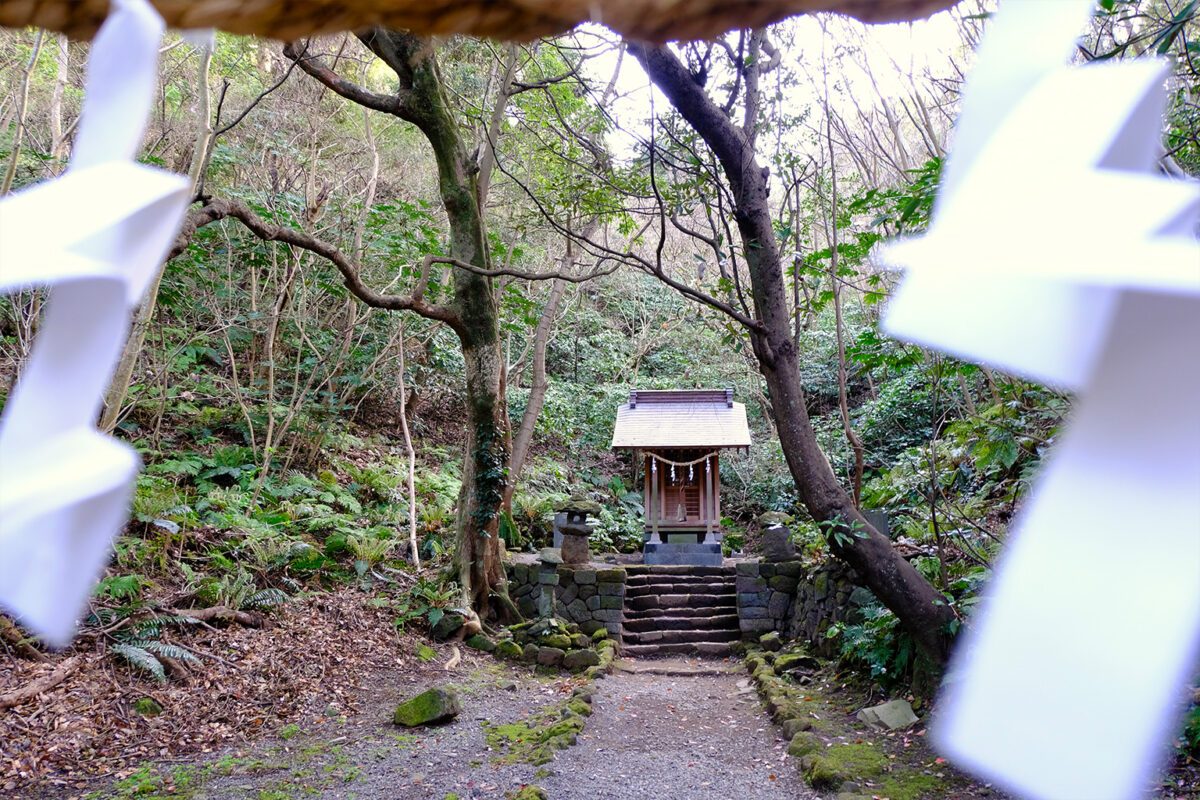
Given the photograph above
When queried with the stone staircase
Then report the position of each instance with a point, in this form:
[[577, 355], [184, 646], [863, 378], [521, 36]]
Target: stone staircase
[[679, 610]]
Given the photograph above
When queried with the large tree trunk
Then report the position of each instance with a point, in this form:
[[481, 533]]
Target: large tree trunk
[[919, 607], [423, 101]]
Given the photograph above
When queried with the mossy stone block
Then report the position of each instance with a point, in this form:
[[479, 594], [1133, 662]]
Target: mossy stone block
[[747, 569], [508, 649], [527, 793], [428, 708], [794, 725], [610, 575], [611, 602], [560, 640], [480, 642], [577, 660], [782, 583], [550, 656], [843, 763], [447, 626], [530, 653], [771, 641], [803, 743], [790, 662], [821, 773], [792, 569]]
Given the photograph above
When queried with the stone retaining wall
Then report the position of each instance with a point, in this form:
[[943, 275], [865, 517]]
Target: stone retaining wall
[[592, 598], [766, 595], [797, 601]]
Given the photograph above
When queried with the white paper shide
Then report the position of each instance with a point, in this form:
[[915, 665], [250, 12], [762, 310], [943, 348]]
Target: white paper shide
[[94, 239], [1057, 251]]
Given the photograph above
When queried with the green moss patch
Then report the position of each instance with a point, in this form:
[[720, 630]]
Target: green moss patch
[[815, 710], [533, 741], [527, 793], [912, 786]]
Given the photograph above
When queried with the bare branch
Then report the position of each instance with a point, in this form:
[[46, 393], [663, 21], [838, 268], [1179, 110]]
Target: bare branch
[[255, 101], [216, 209], [527, 276]]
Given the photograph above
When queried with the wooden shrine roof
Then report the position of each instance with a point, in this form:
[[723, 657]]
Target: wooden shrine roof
[[652, 20], [687, 418]]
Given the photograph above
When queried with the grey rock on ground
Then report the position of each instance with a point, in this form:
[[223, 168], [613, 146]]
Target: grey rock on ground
[[889, 716]]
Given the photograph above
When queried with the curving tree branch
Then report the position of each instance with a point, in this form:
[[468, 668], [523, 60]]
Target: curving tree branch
[[314, 66], [216, 209]]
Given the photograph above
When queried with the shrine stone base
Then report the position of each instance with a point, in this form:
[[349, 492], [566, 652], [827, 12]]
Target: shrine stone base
[[695, 553]]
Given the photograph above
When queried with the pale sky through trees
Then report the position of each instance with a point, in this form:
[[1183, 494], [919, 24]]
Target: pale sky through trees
[[897, 54]]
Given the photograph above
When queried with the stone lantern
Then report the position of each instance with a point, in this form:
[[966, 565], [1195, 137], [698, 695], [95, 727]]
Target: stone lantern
[[575, 530]]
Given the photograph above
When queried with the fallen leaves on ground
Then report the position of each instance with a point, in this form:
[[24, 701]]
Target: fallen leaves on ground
[[310, 662]]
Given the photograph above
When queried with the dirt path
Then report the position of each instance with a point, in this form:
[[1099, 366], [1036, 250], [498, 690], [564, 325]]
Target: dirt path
[[694, 732], [673, 735]]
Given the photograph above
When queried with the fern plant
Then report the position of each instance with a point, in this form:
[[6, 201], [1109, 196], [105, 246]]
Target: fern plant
[[140, 645]]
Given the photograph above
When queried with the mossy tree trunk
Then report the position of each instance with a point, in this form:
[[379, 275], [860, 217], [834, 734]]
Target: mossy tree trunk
[[421, 99], [423, 102]]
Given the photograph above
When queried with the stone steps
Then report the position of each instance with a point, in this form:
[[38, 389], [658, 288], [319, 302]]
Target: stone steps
[[680, 610], [671, 588], [681, 636], [636, 570], [696, 621], [706, 649], [683, 577], [677, 613], [681, 601]]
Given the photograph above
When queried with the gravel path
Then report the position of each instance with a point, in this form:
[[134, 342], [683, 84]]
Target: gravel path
[[655, 737], [695, 732]]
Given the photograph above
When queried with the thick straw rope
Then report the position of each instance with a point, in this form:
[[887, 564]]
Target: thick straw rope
[[651, 20]]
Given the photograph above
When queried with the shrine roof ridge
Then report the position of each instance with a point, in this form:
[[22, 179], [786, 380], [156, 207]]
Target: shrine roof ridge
[[686, 418]]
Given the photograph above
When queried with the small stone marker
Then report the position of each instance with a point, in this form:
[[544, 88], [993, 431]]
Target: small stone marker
[[890, 716], [428, 708]]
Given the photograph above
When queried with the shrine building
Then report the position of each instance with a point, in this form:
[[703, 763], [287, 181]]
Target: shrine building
[[679, 435]]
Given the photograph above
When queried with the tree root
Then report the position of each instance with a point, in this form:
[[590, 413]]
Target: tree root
[[42, 684], [13, 637], [509, 614], [454, 659], [250, 619]]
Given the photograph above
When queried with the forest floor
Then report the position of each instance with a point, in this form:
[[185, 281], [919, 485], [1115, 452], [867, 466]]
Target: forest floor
[[304, 709]]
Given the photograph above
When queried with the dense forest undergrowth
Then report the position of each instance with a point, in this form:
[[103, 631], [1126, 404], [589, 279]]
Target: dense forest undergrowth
[[269, 556]]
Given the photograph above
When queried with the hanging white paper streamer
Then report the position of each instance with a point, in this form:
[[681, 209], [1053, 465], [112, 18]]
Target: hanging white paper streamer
[[94, 236], [1058, 253]]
